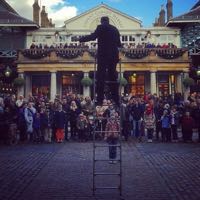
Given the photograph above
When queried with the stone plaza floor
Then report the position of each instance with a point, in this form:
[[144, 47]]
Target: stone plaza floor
[[151, 171]]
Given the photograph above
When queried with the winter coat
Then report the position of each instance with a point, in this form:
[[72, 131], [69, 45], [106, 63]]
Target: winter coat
[[137, 112], [166, 121], [149, 121], [43, 120], [29, 116], [187, 124], [108, 38], [73, 114], [112, 125], [36, 123], [175, 118], [81, 124], [59, 119]]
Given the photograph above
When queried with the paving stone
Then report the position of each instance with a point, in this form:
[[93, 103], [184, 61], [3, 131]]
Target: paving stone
[[156, 171]]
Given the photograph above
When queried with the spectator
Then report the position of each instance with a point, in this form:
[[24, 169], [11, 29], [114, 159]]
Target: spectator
[[166, 125], [149, 122], [73, 114], [29, 113], [187, 124], [59, 119], [44, 125], [174, 123], [112, 135], [36, 128], [137, 115], [82, 127]]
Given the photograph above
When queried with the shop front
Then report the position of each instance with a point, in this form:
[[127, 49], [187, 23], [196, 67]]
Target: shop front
[[71, 82]]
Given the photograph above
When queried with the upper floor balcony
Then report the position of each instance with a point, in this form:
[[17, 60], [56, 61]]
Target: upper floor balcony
[[81, 55]]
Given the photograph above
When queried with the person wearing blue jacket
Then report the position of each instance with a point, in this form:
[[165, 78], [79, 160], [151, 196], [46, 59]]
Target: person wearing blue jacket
[[166, 126]]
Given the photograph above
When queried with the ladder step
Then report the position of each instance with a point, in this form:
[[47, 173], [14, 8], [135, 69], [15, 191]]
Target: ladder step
[[106, 131], [109, 188], [106, 160], [104, 174], [117, 145]]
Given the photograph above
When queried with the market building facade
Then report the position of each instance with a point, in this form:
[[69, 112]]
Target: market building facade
[[189, 25], [54, 62], [13, 29]]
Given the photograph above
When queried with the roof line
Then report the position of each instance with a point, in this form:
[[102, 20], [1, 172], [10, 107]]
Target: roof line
[[182, 14], [10, 9], [98, 6]]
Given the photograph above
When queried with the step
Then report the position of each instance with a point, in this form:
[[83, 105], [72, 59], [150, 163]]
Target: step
[[108, 145], [105, 174], [106, 160], [109, 188]]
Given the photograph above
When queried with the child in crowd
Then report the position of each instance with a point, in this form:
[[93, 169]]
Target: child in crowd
[[112, 135], [82, 126], [149, 122], [166, 126]]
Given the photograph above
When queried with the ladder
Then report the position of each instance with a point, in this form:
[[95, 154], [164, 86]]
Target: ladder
[[99, 145]]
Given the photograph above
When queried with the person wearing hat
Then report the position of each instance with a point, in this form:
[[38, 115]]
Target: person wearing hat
[[82, 126], [149, 122], [108, 39]]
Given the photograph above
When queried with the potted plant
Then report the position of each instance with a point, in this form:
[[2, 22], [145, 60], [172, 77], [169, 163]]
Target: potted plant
[[18, 82], [86, 81], [187, 82], [123, 81]]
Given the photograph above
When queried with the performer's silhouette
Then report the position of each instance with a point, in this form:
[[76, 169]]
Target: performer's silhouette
[[107, 58]]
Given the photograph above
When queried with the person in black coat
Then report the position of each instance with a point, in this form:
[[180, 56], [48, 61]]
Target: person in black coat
[[59, 119], [107, 58]]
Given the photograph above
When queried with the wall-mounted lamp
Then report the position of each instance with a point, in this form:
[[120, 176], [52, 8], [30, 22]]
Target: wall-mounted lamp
[[8, 71], [198, 71]]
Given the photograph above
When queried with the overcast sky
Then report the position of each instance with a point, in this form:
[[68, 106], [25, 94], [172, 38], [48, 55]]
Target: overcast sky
[[61, 10]]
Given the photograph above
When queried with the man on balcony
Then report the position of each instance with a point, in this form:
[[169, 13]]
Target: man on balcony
[[107, 58]]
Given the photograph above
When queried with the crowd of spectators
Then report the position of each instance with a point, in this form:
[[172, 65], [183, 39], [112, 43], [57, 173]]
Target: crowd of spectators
[[94, 46], [71, 117], [149, 45]]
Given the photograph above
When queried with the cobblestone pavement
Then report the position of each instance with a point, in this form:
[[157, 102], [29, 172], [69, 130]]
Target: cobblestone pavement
[[155, 171]]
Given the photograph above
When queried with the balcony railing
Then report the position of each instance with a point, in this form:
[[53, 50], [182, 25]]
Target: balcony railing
[[74, 53], [8, 53]]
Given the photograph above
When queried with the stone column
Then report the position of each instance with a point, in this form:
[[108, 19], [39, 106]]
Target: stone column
[[53, 89], [186, 91], [86, 89], [20, 90], [153, 83], [28, 86], [179, 84]]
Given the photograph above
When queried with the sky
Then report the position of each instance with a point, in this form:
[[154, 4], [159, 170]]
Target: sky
[[61, 10]]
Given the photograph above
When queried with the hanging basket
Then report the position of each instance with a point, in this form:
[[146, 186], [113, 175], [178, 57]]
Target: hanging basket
[[18, 82], [187, 82], [86, 81], [123, 81]]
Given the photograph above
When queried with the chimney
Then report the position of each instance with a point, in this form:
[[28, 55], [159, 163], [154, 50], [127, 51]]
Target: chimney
[[51, 23], [156, 22], [169, 7], [162, 16], [43, 17], [47, 21], [36, 12]]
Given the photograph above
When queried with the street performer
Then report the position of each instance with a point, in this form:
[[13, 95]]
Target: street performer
[[107, 58]]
